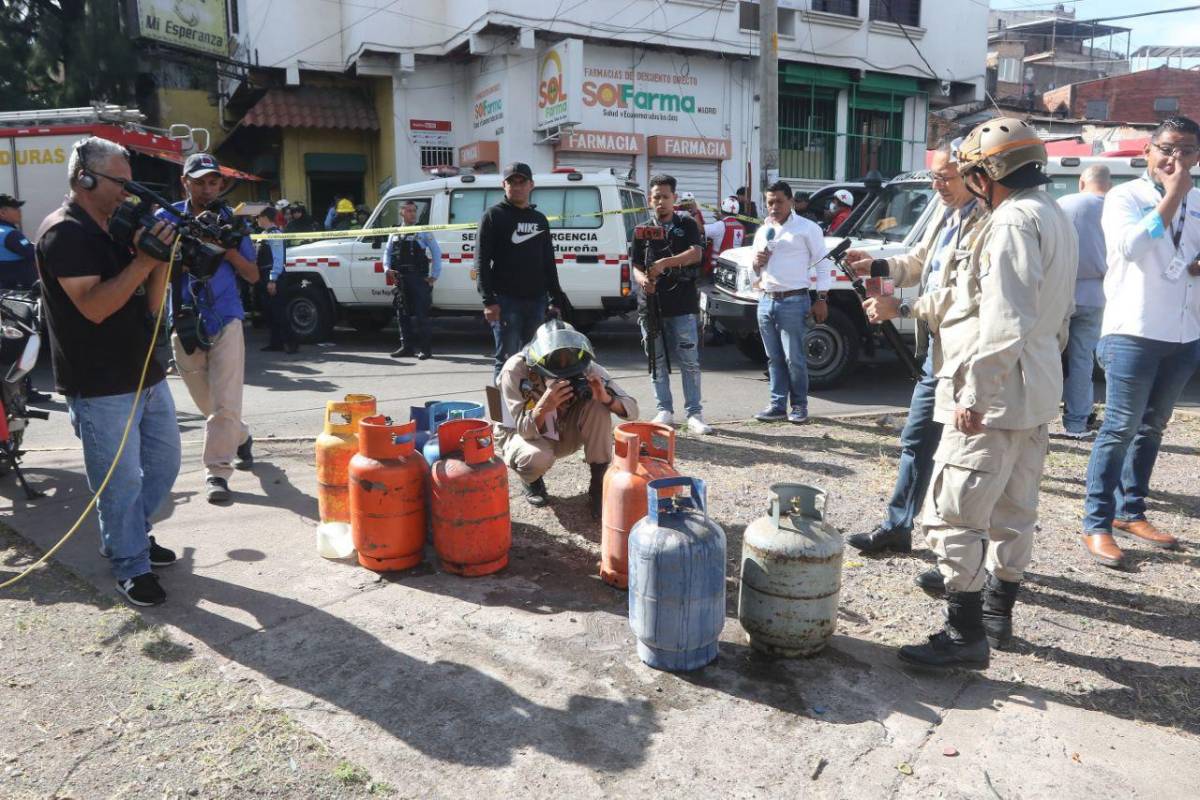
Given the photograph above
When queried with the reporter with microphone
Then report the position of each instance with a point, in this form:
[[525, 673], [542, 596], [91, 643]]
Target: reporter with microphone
[[789, 264], [214, 371]]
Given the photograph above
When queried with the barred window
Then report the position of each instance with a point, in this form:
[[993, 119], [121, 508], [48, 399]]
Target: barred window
[[437, 156]]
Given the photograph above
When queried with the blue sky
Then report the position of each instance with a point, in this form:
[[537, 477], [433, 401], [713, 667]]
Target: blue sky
[[1182, 28]]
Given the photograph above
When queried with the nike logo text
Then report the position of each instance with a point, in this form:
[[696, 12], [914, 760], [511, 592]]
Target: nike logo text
[[524, 232]]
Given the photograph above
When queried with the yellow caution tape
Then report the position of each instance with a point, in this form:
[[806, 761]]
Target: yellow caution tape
[[406, 229], [751, 220]]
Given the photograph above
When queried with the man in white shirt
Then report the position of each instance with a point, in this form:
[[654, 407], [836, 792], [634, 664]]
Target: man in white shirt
[[1150, 337], [789, 247]]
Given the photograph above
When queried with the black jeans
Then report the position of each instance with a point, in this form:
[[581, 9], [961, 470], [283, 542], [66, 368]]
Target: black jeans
[[416, 327], [274, 311]]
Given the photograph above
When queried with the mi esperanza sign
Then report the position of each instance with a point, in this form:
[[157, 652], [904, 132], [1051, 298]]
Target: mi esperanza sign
[[198, 25]]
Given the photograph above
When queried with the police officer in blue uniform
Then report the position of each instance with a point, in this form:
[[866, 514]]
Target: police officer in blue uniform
[[17, 267]]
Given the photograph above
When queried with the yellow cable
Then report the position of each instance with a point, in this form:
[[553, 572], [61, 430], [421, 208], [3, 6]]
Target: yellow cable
[[137, 396]]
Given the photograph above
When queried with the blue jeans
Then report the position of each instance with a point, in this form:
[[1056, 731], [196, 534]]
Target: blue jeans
[[1078, 393], [918, 442], [782, 325], [1145, 378], [682, 336], [520, 318], [416, 327], [144, 475]]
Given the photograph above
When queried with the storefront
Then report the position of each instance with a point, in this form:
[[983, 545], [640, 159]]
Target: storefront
[[695, 164], [592, 151]]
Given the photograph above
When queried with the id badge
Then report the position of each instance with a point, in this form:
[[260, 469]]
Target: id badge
[[1176, 267]]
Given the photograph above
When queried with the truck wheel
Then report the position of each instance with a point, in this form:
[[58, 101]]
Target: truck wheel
[[308, 311], [831, 349], [750, 345]]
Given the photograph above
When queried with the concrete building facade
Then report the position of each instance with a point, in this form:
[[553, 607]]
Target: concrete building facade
[[640, 86]]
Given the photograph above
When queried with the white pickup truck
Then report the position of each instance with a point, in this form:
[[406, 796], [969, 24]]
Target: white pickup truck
[[892, 223], [334, 279]]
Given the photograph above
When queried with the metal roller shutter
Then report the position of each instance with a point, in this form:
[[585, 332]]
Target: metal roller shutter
[[701, 178], [594, 162]]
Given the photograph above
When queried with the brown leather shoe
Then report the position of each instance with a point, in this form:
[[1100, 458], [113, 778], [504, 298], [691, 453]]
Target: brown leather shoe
[[1141, 529], [1103, 549]]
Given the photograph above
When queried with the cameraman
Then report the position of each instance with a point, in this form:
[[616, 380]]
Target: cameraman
[[666, 270], [100, 298], [557, 399], [215, 369]]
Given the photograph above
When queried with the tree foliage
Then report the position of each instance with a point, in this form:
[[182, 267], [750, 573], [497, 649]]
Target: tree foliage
[[65, 53]]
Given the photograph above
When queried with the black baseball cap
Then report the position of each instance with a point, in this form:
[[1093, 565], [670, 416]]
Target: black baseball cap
[[200, 164], [8, 201], [518, 168]]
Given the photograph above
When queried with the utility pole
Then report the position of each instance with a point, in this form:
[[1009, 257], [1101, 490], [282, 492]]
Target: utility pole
[[768, 91]]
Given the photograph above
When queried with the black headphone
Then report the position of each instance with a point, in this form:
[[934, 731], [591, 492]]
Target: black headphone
[[85, 179]]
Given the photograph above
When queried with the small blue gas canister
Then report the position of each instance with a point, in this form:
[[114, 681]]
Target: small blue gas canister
[[439, 413], [677, 578], [420, 415]]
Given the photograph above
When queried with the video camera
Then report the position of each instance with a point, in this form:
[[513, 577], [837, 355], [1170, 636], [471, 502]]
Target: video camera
[[203, 238]]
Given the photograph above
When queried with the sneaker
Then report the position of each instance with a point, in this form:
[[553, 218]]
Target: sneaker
[[424, 355], [797, 417], [402, 352], [217, 490], [34, 396], [698, 426], [771, 414], [1080, 436], [535, 493], [142, 590], [664, 418], [159, 555], [245, 454]]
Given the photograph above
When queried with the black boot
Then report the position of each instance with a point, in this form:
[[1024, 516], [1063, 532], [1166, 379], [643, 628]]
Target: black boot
[[596, 489], [880, 539], [535, 493], [961, 643], [403, 351], [931, 583], [998, 600]]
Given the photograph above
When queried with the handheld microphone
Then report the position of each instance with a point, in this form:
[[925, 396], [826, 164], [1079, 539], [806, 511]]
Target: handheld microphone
[[770, 239]]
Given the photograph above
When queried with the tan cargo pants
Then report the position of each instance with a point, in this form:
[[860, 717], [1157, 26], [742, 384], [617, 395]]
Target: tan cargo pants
[[587, 425], [214, 379], [981, 508]]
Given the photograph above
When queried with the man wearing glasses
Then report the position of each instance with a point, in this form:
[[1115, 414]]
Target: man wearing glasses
[[1150, 337], [924, 267]]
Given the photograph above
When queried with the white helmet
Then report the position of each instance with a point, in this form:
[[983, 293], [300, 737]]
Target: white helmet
[[687, 197], [730, 205], [844, 197], [282, 204]]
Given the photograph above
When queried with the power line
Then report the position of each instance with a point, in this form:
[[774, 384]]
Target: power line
[[338, 32]]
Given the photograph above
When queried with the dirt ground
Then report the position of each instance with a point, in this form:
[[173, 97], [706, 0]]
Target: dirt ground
[[101, 703], [98, 703]]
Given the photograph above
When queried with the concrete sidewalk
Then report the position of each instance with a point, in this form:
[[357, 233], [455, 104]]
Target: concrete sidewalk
[[527, 681]]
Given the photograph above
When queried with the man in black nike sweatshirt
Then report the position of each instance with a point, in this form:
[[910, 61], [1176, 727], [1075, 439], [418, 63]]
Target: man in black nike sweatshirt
[[514, 258]]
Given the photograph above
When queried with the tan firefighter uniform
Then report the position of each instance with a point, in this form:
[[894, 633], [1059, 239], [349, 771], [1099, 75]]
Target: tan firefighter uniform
[[587, 424], [1000, 332]]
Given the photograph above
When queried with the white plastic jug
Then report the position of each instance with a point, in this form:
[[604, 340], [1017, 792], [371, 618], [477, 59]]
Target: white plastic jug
[[334, 540]]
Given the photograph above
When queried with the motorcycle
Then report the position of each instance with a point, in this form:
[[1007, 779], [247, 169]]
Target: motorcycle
[[20, 344]]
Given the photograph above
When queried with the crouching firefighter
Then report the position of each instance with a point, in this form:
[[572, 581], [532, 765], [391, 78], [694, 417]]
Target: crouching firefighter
[[556, 400], [1000, 333]]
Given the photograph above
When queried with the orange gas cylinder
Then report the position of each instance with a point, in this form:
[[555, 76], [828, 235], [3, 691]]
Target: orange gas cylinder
[[472, 531], [388, 479], [642, 452], [336, 445]]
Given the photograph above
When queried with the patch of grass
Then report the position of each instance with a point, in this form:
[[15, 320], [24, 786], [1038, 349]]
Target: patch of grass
[[351, 774], [381, 788]]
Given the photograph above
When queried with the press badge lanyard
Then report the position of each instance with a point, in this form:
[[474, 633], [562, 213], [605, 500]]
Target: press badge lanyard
[[1178, 262]]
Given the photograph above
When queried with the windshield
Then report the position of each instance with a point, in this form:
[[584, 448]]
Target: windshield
[[894, 212]]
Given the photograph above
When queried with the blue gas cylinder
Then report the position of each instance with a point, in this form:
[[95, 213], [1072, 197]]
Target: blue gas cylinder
[[677, 579], [440, 412], [420, 415]]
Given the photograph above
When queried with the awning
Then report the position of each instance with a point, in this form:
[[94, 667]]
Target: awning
[[179, 158], [312, 107]]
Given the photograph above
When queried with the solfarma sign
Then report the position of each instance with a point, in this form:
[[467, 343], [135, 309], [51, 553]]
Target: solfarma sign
[[559, 71]]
